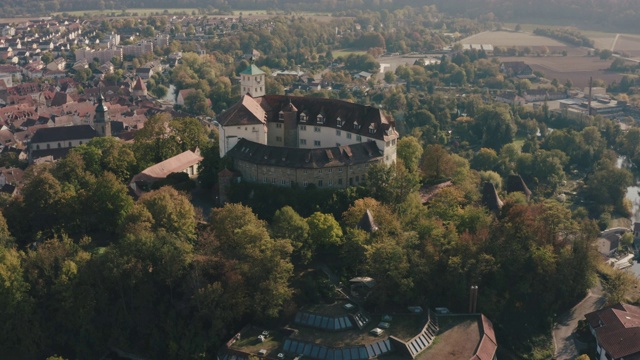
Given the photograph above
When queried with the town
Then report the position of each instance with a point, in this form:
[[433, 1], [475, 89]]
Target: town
[[397, 183]]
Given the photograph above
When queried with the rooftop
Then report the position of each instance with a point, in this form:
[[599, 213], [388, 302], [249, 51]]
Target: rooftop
[[458, 338], [252, 70]]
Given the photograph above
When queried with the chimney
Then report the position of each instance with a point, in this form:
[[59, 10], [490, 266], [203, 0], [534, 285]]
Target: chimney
[[473, 299]]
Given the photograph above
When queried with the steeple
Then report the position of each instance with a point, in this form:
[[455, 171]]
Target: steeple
[[101, 122]]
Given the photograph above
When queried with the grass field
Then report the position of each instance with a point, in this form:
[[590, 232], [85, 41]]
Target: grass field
[[506, 38], [346, 52]]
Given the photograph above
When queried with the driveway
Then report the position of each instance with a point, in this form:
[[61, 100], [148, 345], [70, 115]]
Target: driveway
[[565, 342]]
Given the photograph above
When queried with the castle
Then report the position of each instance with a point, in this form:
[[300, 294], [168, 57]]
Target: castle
[[288, 140]]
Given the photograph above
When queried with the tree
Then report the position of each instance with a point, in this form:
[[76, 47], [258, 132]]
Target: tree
[[391, 184], [618, 285], [324, 233], [436, 163], [410, 152], [605, 54], [496, 127], [154, 143], [287, 224], [485, 159], [170, 211]]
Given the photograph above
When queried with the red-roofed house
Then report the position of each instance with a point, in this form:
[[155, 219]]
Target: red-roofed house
[[186, 162], [617, 332]]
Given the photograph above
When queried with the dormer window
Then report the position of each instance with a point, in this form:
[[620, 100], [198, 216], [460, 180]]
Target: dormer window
[[372, 128], [281, 116], [356, 126], [320, 119], [303, 117], [339, 122]]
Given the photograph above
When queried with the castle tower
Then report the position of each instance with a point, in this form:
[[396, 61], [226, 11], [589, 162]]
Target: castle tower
[[289, 114], [101, 122], [252, 81]]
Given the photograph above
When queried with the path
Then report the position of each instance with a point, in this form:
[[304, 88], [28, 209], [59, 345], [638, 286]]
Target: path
[[613, 46], [565, 341]]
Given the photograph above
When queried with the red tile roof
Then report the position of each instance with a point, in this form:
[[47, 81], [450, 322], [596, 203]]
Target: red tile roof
[[617, 329]]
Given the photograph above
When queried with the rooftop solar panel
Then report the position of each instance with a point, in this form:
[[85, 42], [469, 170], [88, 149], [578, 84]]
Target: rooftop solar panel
[[314, 351], [337, 354], [307, 350], [318, 321], [330, 354], [300, 348], [370, 351], [322, 353], [325, 323], [363, 352], [354, 353], [286, 345]]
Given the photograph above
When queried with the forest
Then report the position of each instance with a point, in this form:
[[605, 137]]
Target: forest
[[603, 14]]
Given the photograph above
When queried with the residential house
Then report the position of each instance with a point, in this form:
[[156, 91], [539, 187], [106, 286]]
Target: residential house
[[510, 98], [617, 332], [186, 162], [516, 68], [57, 64]]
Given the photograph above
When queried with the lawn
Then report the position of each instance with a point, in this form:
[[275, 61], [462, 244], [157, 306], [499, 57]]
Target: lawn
[[346, 52]]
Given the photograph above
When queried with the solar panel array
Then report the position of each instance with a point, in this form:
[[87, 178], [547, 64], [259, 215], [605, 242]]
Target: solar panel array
[[322, 352], [323, 322]]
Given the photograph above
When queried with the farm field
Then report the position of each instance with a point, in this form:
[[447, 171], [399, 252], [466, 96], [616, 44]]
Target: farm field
[[506, 38], [577, 68]]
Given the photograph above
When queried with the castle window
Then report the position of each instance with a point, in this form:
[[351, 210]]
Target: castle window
[[339, 181], [273, 180], [80, 142], [319, 183], [348, 135], [330, 182], [278, 138], [393, 142], [340, 170], [264, 180], [338, 133], [48, 146], [278, 126], [316, 128], [37, 147], [358, 138], [372, 129], [70, 145], [283, 182], [356, 126], [303, 141], [303, 127], [305, 183], [320, 119], [316, 142], [303, 117], [281, 116], [59, 145], [330, 171], [339, 122]]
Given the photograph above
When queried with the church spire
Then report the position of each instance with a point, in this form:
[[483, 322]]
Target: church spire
[[101, 122]]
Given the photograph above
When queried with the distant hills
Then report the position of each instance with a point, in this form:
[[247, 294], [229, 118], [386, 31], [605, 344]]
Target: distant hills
[[614, 14]]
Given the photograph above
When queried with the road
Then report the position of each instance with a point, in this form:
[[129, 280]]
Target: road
[[565, 342]]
